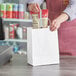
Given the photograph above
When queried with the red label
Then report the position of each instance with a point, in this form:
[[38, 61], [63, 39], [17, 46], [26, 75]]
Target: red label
[[45, 13], [21, 15], [3, 14], [35, 13], [15, 14], [12, 32], [8, 14]]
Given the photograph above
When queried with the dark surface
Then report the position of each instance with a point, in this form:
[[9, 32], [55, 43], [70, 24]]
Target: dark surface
[[1, 30], [5, 54], [19, 67]]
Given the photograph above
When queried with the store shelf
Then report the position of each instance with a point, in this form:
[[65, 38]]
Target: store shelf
[[17, 20], [15, 40]]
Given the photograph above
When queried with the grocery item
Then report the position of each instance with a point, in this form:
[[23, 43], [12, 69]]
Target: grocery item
[[11, 31], [45, 18], [21, 11], [19, 32], [36, 19], [40, 19], [44, 5], [6, 31], [3, 10], [26, 15], [15, 11], [9, 9]]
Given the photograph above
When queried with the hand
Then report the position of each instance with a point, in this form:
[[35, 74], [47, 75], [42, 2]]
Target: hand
[[57, 22], [34, 7]]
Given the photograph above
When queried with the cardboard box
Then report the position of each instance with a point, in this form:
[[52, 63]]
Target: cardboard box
[[42, 47]]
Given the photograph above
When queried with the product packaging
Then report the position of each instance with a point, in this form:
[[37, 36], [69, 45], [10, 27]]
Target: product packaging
[[11, 31], [9, 9], [6, 31], [3, 10], [45, 18], [26, 15], [15, 11], [21, 11], [19, 32], [36, 19], [40, 19]]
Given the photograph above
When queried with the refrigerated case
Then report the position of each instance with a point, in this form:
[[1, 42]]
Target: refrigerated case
[[22, 22], [11, 41]]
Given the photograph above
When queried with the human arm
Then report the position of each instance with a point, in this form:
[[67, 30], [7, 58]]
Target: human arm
[[68, 14], [71, 9], [57, 22]]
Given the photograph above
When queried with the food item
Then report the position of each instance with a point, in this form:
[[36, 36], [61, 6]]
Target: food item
[[36, 19], [6, 32], [11, 31], [19, 32], [45, 18], [21, 11], [3, 10], [15, 11], [26, 15], [9, 8], [40, 19]]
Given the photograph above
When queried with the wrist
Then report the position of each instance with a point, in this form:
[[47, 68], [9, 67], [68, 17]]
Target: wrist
[[63, 17]]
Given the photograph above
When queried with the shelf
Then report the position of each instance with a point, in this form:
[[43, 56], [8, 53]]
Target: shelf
[[15, 40], [17, 20]]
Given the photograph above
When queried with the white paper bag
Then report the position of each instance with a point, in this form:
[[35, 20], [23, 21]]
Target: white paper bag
[[42, 47]]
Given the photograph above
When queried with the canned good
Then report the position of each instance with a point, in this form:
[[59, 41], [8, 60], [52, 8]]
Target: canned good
[[21, 11], [11, 31], [9, 9], [3, 10], [15, 11], [21, 7]]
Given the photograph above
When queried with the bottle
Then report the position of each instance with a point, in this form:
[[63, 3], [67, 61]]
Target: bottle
[[44, 5]]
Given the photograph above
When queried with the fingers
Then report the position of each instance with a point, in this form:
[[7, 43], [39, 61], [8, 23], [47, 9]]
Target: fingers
[[54, 25], [37, 7], [53, 28], [34, 7]]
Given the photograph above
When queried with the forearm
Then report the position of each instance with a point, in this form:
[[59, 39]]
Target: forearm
[[56, 23], [71, 9], [63, 17]]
